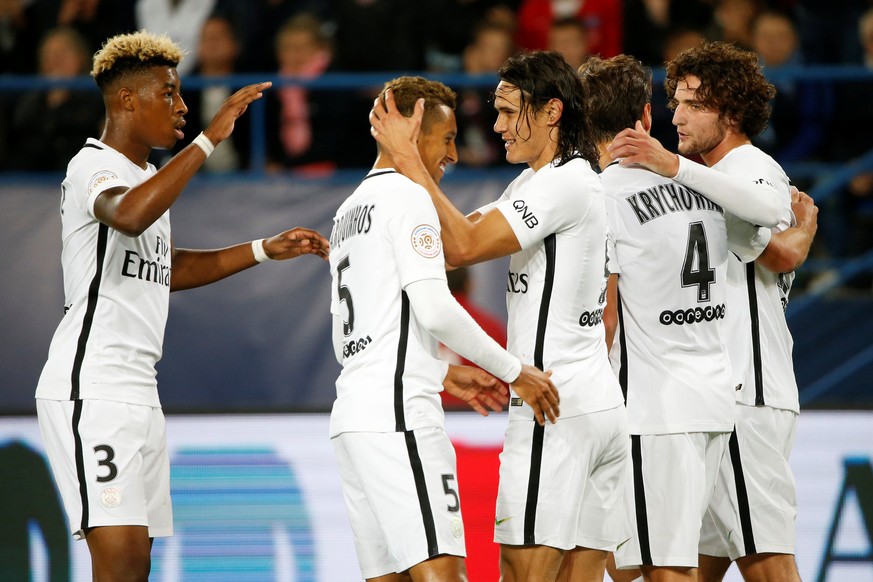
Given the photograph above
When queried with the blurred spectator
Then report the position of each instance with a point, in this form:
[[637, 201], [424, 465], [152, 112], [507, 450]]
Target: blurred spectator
[[848, 215], [801, 109], [49, 127], [734, 19], [478, 144], [461, 286], [825, 27], [680, 38], [18, 37], [95, 20], [257, 22], [649, 24], [451, 24], [602, 18], [181, 20], [217, 54], [568, 37], [306, 127], [379, 35]]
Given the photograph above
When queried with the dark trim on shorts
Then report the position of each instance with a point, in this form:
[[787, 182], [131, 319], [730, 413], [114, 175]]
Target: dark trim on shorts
[[90, 309], [433, 548], [756, 334], [536, 453], [399, 414], [80, 464], [622, 342], [742, 495], [533, 484], [640, 501]]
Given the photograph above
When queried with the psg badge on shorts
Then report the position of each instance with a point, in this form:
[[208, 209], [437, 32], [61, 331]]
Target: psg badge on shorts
[[457, 527], [110, 497]]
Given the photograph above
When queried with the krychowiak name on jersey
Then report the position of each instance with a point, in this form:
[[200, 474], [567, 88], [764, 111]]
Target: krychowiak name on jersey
[[556, 286], [668, 245], [386, 235], [760, 343], [116, 291]]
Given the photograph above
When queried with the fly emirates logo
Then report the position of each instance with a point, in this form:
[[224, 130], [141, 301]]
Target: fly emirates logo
[[153, 270]]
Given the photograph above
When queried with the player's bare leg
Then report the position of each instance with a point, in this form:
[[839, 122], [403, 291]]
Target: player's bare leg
[[669, 574], [439, 569], [582, 565], [120, 553], [616, 575], [769, 568], [402, 577], [712, 568], [529, 563]]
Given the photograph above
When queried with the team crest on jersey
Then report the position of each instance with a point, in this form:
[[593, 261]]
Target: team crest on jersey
[[99, 178], [426, 241]]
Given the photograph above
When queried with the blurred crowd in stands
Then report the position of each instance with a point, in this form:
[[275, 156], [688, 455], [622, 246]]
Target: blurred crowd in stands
[[317, 131]]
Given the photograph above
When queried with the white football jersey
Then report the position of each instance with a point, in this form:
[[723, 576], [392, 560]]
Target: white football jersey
[[668, 246], [116, 291], [385, 236], [556, 287], [760, 342]]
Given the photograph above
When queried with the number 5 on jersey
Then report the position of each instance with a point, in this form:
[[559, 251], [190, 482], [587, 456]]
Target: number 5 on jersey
[[345, 295]]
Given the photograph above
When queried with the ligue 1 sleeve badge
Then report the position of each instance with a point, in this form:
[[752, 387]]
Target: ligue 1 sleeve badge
[[426, 241]]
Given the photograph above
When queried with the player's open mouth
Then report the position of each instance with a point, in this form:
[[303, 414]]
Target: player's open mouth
[[508, 143], [179, 133]]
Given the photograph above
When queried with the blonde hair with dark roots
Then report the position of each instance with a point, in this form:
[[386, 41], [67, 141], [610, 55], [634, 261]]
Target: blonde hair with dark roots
[[124, 54], [408, 90], [731, 83]]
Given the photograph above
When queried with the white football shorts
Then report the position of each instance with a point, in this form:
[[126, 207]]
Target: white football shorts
[[110, 463], [667, 495], [401, 492], [562, 485], [754, 507]]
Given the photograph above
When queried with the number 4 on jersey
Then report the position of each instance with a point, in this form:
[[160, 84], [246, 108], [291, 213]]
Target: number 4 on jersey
[[696, 270]]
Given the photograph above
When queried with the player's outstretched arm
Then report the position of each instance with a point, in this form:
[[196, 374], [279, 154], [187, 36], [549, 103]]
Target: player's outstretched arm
[[758, 204], [195, 268], [132, 210], [465, 241], [477, 388], [788, 249], [537, 390]]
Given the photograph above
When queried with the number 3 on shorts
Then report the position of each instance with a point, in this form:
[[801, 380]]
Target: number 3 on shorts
[[106, 462]]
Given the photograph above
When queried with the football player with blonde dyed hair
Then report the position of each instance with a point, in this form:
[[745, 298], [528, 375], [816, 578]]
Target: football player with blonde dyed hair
[[97, 399]]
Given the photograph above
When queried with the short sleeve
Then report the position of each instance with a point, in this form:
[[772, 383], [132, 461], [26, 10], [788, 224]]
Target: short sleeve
[[415, 232], [97, 182], [546, 206]]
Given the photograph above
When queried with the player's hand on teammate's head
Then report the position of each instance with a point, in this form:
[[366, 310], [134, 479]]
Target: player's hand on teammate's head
[[635, 146], [479, 389], [536, 388], [390, 128], [222, 123], [295, 242]]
